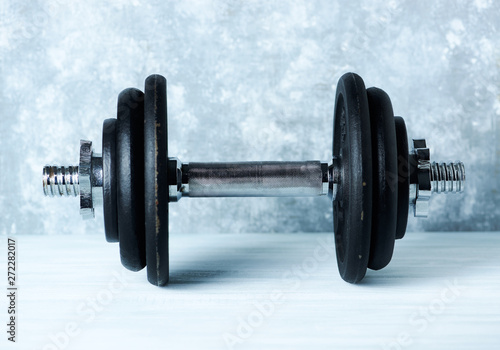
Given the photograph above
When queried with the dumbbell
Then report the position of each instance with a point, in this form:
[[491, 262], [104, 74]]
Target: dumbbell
[[374, 177]]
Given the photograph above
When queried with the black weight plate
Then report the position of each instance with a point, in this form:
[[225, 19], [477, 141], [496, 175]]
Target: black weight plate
[[385, 183], [352, 149], [403, 177], [156, 178], [130, 178], [109, 179]]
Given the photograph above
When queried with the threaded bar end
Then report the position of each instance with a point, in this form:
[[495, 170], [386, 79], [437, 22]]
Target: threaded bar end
[[448, 177], [59, 181]]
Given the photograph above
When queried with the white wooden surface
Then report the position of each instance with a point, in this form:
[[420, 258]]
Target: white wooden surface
[[441, 290]]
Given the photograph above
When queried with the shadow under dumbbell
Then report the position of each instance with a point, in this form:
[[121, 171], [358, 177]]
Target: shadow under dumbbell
[[212, 263], [239, 258]]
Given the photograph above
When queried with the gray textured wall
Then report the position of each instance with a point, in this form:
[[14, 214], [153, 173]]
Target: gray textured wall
[[248, 80]]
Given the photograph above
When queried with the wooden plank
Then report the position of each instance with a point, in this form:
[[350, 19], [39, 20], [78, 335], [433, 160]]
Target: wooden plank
[[258, 291]]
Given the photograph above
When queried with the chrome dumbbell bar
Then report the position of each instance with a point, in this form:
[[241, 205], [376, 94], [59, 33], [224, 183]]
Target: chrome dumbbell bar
[[248, 179]]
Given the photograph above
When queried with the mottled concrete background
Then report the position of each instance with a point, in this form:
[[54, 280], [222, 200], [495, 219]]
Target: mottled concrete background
[[248, 80]]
